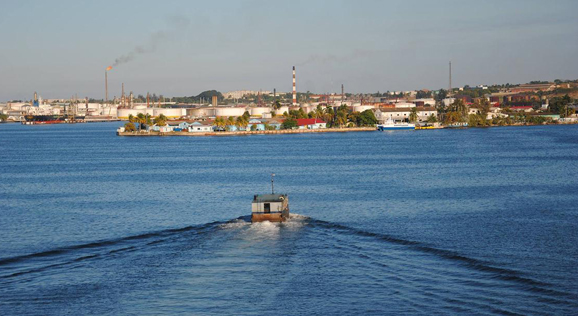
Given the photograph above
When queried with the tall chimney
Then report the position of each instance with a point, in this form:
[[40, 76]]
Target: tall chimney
[[106, 86], [148, 100], [450, 87], [122, 98], [294, 90]]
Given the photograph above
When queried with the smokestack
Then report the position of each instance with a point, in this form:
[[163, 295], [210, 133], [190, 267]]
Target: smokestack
[[214, 100], [106, 86], [450, 87], [122, 98], [148, 100], [294, 90]]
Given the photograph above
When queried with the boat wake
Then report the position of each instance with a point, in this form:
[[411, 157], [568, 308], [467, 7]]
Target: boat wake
[[308, 253]]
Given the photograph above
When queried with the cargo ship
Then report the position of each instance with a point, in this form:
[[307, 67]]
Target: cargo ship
[[50, 119]]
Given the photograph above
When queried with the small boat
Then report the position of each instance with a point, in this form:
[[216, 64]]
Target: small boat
[[270, 207], [390, 125]]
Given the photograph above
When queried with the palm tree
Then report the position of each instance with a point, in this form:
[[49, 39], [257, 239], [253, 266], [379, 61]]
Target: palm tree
[[131, 118], [220, 122], [230, 122], [276, 105], [413, 115], [140, 119], [240, 122], [245, 122], [161, 120]]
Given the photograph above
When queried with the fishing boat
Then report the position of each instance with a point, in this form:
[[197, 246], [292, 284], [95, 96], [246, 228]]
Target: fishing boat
[[390, 125], [270, 207]]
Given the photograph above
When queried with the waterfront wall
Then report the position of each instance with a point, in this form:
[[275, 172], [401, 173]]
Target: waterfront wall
[[242, 133]]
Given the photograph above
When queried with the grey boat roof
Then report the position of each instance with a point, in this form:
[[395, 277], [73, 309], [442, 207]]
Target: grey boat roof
[[269, 198]]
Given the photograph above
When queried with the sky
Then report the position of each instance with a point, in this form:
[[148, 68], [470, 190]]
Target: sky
[[181, 48]]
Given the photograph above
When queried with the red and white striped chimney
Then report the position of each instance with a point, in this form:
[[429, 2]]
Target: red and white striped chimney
[[294, 90]]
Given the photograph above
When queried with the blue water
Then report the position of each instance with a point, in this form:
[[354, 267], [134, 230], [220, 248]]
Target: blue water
[[475, 221]]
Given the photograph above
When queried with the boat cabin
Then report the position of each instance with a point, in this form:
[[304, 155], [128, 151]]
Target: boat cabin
[[270, 207]]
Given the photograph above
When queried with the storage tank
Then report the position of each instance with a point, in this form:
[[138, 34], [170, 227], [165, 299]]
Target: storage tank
[[168, 112], [282, 110], [229, 111], [259, 111], [123, 114]]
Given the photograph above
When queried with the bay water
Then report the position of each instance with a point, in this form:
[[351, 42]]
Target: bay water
[[472, 221]]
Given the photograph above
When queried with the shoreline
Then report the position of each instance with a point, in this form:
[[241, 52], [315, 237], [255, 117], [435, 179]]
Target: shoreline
[[303, 131], [246, 133]]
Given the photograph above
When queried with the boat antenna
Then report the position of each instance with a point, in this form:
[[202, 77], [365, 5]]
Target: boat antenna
[[272, 183]]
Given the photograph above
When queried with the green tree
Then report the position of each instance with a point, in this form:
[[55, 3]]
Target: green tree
[[161, 120], [353, 118], [129, 127], [456, 112], [220, 123], [557, 104], [230, 122], [289, 123], [442, 94], [3, 117], [141, 120], [366, 118], [239, 122], [276, 105]]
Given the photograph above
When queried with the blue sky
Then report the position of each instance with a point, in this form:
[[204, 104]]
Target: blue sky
[[61, 48]]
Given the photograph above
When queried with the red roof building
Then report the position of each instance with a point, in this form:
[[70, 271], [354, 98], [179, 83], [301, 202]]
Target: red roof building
[[307, 122]]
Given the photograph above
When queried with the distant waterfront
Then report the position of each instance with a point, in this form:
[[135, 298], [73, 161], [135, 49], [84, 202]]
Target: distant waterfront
[[145, 133]]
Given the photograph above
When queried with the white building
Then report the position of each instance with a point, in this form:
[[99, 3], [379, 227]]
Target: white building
[[402, 114]]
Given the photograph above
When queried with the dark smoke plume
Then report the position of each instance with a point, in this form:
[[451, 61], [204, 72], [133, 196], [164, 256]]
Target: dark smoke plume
[[176, 25]]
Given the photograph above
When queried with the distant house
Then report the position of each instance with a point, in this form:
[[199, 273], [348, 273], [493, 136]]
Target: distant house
[[163, 129], [492, 112], [256, 125], [199, 127], [311, 123], [274, 123]]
